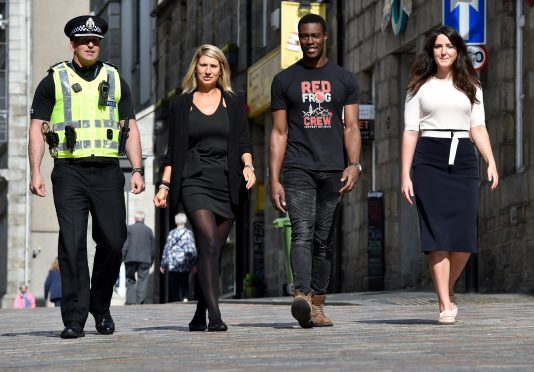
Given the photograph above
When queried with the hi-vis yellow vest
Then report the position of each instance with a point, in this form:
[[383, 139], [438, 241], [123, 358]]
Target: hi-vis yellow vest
[[97, 127]]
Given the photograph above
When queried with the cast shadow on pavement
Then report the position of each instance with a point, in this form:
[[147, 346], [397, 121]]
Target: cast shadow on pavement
[[268, 325], [35, 333], [162, 328], [54, 334], [396, 321]]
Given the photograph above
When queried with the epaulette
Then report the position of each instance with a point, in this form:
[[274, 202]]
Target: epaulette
[[51, 67], [112, 65]]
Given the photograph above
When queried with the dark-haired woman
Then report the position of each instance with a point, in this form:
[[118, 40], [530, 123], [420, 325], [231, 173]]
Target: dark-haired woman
[[444, 116]]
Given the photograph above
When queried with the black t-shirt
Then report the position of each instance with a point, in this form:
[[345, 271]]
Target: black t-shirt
[[45, 99], [314, 99]]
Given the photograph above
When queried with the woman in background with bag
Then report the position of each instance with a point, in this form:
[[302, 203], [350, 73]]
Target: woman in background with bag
[[179, 258]]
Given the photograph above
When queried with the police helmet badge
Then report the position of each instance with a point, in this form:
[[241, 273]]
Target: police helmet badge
[[90, 24]]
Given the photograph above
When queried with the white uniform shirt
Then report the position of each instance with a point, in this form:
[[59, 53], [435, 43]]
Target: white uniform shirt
[[439, 105]]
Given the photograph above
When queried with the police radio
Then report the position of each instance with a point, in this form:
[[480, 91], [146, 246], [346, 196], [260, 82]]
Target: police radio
[[123, 136], [70, 137], [103, 92]]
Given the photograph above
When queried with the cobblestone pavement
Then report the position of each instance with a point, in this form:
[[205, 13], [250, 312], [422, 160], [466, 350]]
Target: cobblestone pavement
[[372, 331]]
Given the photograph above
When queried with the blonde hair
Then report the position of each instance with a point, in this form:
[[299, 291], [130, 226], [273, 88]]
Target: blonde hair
[[55, 265], [189, 84]]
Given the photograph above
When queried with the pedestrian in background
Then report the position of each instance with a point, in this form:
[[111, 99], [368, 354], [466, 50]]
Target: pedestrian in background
[[179, 259], [24, 299], [83, 110], [207, 167], [310, 140], [52, 286], [138, 254], [444, 115]]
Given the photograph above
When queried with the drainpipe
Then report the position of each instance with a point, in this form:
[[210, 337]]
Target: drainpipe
[[27, 197], [340, 32], [519, 95]]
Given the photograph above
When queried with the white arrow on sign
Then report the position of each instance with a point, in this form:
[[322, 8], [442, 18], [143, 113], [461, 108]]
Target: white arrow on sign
[[463, 22]]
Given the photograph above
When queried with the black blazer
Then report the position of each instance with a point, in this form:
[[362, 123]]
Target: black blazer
[[177, 150]]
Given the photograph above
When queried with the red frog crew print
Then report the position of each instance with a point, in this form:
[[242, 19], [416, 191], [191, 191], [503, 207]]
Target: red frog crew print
[[316, 92]]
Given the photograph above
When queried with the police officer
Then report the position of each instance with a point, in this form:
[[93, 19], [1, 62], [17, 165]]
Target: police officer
[[80, 110]]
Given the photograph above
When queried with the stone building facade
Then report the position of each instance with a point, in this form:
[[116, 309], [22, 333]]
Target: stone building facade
[[28, 224], [250, 30], [28, 231], [505, 215]]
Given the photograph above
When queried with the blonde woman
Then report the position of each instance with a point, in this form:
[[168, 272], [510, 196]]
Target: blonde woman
[[208, 165]]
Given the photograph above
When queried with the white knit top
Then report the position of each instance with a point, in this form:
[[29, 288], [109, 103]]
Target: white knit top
[[439, 105]]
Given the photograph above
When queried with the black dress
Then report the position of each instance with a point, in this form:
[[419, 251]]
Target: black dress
[[205, 175]]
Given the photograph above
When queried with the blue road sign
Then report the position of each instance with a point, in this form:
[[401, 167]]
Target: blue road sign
[[468, 17]]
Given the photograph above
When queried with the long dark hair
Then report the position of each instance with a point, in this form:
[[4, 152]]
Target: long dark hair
[[464, 75]]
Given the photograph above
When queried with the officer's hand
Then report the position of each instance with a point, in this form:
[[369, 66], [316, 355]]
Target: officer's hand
[[278, 196], [37, 185], [350, 176], [160, 200], [162, 270], [137, 184]]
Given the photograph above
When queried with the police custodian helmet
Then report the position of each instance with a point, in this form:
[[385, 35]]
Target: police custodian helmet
[[86, 25]]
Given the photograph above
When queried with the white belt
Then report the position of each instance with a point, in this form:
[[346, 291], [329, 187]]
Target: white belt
[[453, 134]]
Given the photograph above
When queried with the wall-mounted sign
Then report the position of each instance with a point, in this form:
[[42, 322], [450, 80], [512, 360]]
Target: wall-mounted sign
[[259, 78], [290, 45], [478, 55], [468, 17], [367, 122], [399, 16], [396, 11]]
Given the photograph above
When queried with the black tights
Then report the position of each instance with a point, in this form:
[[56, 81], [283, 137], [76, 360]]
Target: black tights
[[211, 232]]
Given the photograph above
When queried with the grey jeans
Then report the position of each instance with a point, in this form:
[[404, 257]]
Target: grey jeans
[[313, 203]]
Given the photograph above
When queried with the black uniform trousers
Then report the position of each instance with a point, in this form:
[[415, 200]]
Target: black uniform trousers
[[80, 189]]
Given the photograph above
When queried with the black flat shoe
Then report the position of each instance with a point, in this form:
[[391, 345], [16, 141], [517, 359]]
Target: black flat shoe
[[197, 327], [104, 323], [219, 327], [73, 330]]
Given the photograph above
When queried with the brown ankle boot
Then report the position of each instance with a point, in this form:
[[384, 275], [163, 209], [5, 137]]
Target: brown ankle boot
[[319, 318], [301, 309]]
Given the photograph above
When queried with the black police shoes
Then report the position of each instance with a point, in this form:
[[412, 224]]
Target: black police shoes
[[73, 330], [104, 323]]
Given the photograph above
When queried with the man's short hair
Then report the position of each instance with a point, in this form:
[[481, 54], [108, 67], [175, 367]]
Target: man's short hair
[[312, 18], [139, 216]]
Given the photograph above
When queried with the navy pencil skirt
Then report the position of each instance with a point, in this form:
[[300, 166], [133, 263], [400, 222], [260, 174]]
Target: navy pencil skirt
[[446, 197]]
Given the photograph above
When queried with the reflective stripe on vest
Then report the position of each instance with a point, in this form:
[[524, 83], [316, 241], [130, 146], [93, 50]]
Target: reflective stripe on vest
[[97, 127]]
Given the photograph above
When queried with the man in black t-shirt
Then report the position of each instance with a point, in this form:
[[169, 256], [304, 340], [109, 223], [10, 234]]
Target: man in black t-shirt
[[81, 108], [320, 154]]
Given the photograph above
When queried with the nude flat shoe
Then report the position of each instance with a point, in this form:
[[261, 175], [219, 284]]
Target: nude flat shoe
[[446, 317]]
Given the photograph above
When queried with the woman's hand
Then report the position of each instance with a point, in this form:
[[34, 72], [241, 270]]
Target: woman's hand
[[493, 176], [407, 189], [249, 176], [160, 200]]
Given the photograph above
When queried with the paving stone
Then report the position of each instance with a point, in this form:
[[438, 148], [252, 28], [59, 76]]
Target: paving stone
[[372, 331]]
